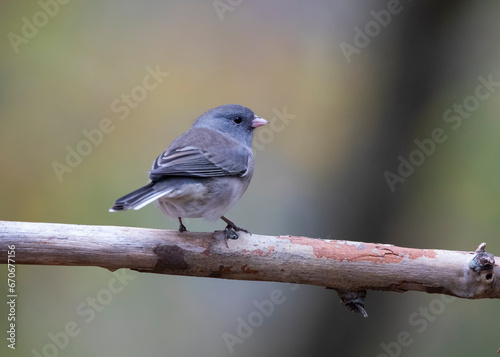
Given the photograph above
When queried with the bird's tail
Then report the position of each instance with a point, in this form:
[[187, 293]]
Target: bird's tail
[[137, 199]]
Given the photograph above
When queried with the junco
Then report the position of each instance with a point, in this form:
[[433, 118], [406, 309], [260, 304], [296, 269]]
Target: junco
[[205, 171]]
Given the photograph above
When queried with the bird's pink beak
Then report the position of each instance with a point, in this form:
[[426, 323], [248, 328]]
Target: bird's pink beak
[[258, 121]]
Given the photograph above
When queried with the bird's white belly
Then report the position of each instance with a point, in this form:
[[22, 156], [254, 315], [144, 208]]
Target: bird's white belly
[[197, 200]]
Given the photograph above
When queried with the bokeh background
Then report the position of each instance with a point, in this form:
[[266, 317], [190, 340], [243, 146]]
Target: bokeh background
[[350, 117]]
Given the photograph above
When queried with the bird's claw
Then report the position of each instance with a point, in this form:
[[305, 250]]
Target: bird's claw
[[230, 233]]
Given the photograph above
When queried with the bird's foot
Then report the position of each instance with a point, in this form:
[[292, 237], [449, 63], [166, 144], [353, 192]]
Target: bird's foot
[[231, 229], [230, 233], [182, 227]]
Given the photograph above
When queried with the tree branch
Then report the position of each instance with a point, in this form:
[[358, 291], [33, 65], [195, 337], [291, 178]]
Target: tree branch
[[351, 268]]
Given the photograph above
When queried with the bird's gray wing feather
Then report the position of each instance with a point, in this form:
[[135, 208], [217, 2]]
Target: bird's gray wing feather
[[189, 156]]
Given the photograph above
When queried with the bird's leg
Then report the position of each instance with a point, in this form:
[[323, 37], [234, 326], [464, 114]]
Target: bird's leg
[[231, 229], [182, 227]]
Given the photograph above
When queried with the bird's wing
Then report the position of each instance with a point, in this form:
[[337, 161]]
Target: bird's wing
[[226, 158]]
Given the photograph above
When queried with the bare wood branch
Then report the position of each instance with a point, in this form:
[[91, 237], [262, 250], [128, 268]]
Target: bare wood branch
[[341, 265]]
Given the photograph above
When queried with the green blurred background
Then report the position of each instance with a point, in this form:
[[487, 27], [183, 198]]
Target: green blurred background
[[320, 175]]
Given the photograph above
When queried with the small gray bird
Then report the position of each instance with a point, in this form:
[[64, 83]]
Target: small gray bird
[[205, 171]]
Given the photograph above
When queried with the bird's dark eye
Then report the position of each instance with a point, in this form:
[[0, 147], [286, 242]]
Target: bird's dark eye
[[238, 119]]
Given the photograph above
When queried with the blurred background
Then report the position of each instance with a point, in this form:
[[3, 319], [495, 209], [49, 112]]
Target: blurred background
[[356, 92]]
